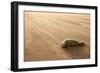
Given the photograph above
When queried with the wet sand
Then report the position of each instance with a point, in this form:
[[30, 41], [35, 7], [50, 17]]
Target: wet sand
[[44, 33]]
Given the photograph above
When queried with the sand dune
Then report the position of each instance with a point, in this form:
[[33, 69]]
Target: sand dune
[[44, 33]]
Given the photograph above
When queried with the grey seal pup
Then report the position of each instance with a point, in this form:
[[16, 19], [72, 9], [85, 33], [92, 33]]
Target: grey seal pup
[[71, 43]]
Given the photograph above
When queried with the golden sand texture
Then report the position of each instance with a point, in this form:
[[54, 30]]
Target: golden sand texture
[[45, 31]]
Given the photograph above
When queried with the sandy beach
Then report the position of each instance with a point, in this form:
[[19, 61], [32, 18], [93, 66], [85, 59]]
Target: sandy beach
[[45, 31]]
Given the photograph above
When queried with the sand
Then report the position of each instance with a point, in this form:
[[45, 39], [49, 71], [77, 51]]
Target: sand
[[44, 33]]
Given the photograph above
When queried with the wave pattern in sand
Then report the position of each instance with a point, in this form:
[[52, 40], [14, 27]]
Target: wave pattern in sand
[[45, 31]]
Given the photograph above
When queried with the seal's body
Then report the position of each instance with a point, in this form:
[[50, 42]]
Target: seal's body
[[71, 43]]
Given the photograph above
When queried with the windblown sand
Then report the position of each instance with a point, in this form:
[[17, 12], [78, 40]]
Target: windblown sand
[[45, 31]]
